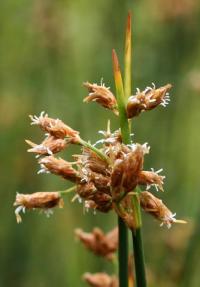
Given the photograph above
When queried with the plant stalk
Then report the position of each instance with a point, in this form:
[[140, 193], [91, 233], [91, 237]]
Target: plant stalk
[[66, 191], [123, 253], [94, 149], [125, 131], [139, 258], [123, 232]]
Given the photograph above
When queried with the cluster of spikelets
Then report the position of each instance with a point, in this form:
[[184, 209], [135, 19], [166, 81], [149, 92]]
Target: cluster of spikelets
[[104, 178]]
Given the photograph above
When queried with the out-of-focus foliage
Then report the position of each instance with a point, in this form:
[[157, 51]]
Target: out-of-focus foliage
[[47, 49]]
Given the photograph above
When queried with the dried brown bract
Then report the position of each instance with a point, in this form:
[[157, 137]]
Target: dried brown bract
[[148, 100], [101, 280], [101, 95], [99, 243], [158, 209], [39, 200]]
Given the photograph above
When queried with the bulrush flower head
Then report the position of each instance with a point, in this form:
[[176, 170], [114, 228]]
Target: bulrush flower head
[[158, 209], [99, 243], [148, 100], [101, 95], [40, 200], [101, 280], [55, 127], [58, 166], [49, 146]]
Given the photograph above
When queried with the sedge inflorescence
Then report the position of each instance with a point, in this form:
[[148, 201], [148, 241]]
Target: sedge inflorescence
[[105, 177], [108, 175]]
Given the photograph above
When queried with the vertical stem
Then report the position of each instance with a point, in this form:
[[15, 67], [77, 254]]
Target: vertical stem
[[140, 276], [123, 253], [125, 131], [139, 258], [123, 232]]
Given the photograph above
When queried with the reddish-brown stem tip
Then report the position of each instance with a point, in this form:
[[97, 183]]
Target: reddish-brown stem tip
[[115, 61], [128, 26]]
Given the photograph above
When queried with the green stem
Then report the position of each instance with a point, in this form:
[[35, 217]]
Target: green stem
[[94, 149], [66, 191], [139, 258], [136, 234], [123, 232], [123, 253]]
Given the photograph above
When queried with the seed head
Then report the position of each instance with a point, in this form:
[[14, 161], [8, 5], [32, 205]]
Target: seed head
[[126, 170], [148, 100], [39, 200], [158, 209], [101, 95], [49, 146], [91, 161], [99, 243], [55, 127], [58, 166]]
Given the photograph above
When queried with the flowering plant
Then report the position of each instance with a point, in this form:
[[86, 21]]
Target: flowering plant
[[108, 178]]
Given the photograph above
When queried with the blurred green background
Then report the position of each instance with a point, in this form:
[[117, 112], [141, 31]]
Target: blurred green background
[[47, 50]]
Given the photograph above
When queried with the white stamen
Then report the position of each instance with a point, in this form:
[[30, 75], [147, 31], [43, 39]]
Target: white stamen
[[156, 187], [138, 91], [48, 212], [158, 171], [147, 89], [146, 148]]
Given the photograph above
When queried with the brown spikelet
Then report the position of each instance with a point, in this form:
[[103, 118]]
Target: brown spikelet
[[58, 166], [91, 161], [158, 209], [126, 170], [55, 127], [39, 200], [99, 243], [147, 100], [101, 95], [49, 146]]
